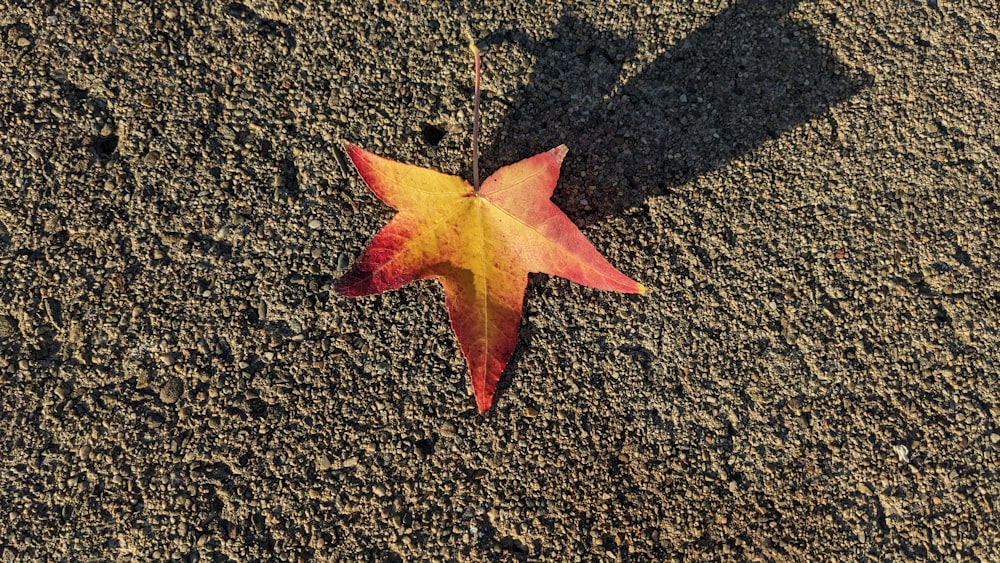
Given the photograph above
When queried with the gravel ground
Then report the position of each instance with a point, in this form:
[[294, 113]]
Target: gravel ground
[[810, 190]]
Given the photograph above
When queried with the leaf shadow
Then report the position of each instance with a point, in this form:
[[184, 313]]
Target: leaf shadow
[[745, 76]]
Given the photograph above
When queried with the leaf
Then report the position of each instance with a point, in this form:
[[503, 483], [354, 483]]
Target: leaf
[[480, 245]]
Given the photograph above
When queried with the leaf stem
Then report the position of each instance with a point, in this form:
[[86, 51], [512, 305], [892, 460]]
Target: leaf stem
[[475, 119]]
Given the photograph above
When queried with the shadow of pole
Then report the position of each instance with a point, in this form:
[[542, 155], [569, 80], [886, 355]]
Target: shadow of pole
[[745, 76]]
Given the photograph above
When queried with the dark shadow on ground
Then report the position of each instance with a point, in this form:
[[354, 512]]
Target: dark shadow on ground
[[745, 76]]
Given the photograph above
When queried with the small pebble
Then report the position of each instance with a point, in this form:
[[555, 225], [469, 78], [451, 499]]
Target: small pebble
[[171, 391], [8, 327], [315, 224], [170, 13], [447, 430], [323, 463], [343, 261]]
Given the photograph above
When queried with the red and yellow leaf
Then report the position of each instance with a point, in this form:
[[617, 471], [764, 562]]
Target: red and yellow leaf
[[481, 246]]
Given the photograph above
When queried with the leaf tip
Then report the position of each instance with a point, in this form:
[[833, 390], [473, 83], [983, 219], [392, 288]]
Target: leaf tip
[[483, 403], [643, 290], [349, 147], [341, 287], [559, 153]]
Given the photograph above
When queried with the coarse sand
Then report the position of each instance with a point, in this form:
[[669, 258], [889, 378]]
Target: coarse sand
[[808, 188]]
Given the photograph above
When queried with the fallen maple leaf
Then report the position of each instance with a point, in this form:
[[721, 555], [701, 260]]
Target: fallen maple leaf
[[481, 243]]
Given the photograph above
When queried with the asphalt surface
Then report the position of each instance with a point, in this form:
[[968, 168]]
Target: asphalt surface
[[810, 191]]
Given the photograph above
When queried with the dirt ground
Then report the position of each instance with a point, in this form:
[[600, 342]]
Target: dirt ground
[[810, 190]]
